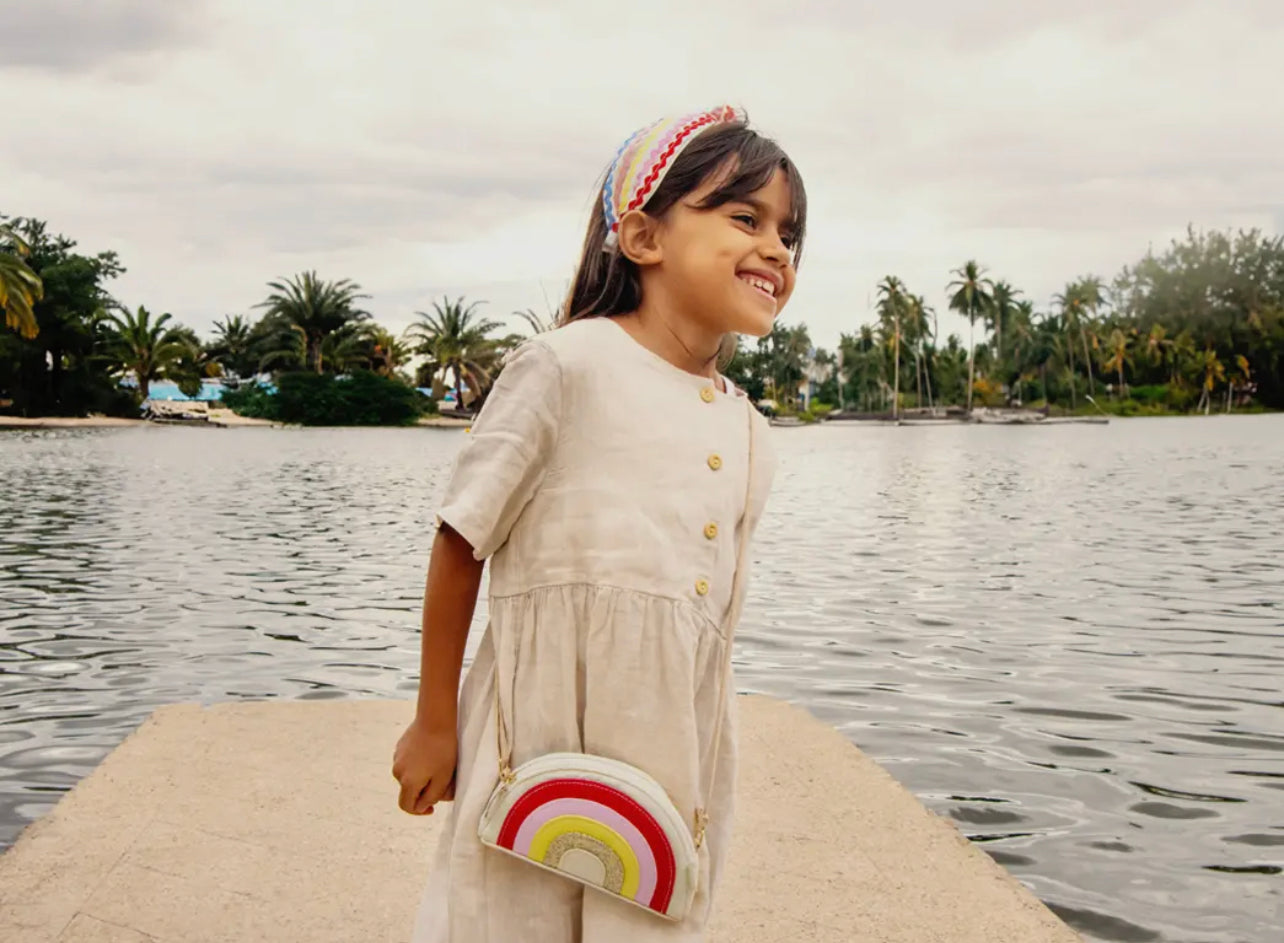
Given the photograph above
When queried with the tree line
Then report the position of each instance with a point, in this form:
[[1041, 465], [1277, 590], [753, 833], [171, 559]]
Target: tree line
[[68, 343], [1196, 327]]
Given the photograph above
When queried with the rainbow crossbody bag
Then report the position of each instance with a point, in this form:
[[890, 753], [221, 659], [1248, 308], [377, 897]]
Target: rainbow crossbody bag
[[603, 822]]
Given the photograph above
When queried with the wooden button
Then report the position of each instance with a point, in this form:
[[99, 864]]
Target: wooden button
[[715, 461], [702, 587], [710, 530], [707, 394]]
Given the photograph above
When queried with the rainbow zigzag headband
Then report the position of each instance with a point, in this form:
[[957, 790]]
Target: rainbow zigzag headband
[[642, 161]]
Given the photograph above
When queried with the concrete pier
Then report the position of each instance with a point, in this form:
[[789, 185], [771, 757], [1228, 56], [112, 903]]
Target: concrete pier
[[276, 821]]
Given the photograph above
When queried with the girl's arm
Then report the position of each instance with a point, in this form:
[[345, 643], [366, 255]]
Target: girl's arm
[[450, 597], [498, 470], [424, 761]]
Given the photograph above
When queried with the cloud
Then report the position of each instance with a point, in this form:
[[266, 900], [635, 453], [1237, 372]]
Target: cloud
[[71, 35], [437, 148]]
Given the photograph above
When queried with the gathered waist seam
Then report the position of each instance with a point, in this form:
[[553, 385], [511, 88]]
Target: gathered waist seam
[[587, 584]]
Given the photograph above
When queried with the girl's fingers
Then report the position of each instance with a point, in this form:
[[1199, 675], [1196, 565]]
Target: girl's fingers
[[435, 790], [409, 797]]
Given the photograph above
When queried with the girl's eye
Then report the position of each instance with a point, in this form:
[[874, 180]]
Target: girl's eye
[[745, 218]]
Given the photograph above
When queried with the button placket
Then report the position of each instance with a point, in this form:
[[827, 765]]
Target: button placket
[[714, 462]]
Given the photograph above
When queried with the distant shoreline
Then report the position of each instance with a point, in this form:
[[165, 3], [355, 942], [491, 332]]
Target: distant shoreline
[[227, 418], [218, 418], [68, 422]]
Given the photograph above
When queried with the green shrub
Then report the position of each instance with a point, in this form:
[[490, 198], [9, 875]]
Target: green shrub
[[1158, 393], [253, 401], [816, 412], [1125, 407], [362, 399], [312, 399], [1182, 398]]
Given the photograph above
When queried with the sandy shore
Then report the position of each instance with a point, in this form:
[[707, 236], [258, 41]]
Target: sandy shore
[[68, 422], [218, 417], [228, 418], [444, 422]]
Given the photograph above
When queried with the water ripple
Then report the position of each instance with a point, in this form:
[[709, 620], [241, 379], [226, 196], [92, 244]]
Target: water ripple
[[1068, 640]]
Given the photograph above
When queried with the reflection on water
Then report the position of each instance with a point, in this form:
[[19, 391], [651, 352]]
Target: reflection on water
[[1067, 640]]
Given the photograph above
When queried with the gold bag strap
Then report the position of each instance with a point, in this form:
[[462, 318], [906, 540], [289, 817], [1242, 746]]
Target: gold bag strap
[[734, 608]]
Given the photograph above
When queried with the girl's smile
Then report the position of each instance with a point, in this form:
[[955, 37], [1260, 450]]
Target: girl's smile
[[762, 283]]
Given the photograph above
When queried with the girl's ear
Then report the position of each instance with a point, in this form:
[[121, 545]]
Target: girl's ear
[[639, 238]]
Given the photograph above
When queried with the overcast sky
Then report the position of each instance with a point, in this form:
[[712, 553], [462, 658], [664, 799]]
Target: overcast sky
[[432, 148]]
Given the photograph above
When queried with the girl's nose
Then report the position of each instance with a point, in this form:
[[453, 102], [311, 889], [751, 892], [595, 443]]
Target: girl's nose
[[776, 251]]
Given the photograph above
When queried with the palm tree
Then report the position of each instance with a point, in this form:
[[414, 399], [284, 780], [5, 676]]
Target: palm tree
[[892, 304], [281, 347], [1021, 345], [455, 341], [1060, 346], [1072, 307], [232, 346], [145, 348], [316, 308], [537, 324], [1083, 299], [388, 354], [1000, 317], [1183, 356], [972, 297], [192, 363], [1046, 338], [787, 351], [821, 369], [1211, 371], [950, 362], [863, 364], [1244, 381], [349, 348], [1120, 350], [20, 287], [920, 335], [355, 346], [1159, 348]]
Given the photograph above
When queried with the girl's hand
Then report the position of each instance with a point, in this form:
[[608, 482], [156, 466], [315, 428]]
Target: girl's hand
[[424, 764]]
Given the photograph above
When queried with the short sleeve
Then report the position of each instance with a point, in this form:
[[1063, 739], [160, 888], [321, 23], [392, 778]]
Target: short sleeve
[[500, 467]]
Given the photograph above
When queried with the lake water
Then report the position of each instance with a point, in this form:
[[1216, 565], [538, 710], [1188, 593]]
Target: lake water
[[1069, 640]]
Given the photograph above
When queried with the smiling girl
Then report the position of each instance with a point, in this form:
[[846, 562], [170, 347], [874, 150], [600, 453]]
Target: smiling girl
[[613, 478]]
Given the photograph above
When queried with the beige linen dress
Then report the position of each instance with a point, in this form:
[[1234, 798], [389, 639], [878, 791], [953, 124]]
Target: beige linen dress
[[610, 487]]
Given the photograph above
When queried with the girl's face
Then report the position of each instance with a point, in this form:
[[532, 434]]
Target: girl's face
[[729, 268]]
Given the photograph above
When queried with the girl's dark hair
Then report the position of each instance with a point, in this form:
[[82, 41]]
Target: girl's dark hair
[[607, 283]]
